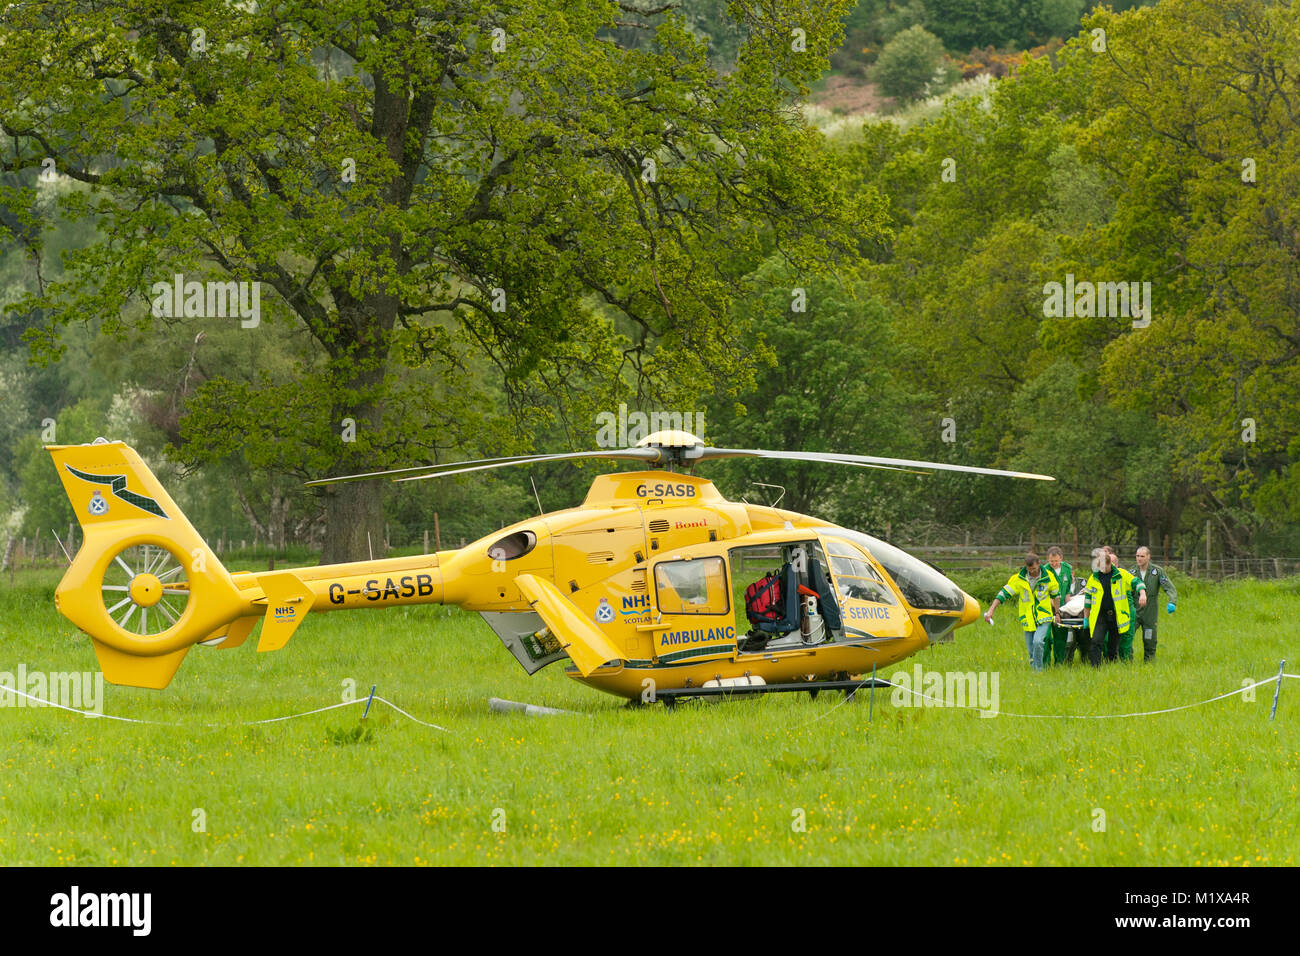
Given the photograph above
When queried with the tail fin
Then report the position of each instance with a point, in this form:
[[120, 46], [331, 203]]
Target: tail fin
[[144, 585]]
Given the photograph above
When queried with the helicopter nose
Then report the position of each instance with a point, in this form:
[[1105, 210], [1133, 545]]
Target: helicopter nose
[[971, 612]]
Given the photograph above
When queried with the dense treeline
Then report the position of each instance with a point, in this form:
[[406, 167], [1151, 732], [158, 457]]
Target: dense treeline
[[945, 288]]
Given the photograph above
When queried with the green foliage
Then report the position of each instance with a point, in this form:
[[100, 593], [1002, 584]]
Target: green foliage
[[1217, 364], [416, 193], [1071, 172], [358, 733], [40, 489], [831, 384], [902, 16], [910, 65], [670, 291], [963, 25], [980, 583]]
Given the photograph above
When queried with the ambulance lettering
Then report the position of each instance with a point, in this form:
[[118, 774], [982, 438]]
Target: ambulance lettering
[[699, 635]]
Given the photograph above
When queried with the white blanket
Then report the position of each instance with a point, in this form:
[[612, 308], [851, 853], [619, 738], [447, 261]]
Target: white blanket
[[1073, 607]]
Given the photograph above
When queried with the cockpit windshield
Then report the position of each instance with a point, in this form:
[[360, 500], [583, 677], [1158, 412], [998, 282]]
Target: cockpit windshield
[[923, 587]]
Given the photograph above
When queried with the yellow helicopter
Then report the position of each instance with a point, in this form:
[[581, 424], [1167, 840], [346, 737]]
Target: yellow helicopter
[[651, 588]]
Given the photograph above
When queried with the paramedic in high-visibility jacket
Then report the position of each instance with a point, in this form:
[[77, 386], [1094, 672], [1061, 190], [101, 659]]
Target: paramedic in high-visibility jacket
[[1039, 607], [1126, 636], [1106, 602]]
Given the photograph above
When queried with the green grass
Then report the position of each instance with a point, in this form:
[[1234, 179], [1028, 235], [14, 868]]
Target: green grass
[[716, 783]]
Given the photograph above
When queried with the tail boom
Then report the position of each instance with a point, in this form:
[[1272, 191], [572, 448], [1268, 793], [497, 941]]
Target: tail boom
[[140, 554]]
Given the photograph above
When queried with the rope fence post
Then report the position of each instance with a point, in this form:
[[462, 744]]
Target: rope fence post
[[1277, 690]]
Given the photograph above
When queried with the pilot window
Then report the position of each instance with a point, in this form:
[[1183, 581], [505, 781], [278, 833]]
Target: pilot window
[[693, 586], [855, 576], [922, 585]]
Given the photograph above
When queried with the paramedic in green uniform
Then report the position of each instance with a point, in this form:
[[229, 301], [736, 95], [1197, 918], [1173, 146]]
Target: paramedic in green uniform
[[1154, 577], [1054, 647]]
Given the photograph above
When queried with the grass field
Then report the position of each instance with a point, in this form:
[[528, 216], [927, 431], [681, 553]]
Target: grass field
[[715, 784]]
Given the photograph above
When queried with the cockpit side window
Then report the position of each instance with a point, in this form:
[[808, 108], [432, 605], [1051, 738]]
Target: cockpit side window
[[855, 576], [923, 587]]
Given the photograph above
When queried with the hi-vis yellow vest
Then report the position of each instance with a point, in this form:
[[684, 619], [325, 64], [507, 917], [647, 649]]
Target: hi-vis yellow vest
[[1035, 603], [1120, 582]]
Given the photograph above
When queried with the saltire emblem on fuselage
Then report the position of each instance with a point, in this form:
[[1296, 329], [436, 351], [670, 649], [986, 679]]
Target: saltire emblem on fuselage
[[117, 485]]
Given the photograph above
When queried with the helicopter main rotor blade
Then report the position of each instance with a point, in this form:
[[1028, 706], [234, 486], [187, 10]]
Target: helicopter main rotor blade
[[459, 467], [709, 453], [650, 455], [413, 470], [863, 461]]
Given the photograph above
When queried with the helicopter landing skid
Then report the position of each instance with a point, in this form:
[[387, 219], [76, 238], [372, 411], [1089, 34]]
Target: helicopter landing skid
[[812, 688]]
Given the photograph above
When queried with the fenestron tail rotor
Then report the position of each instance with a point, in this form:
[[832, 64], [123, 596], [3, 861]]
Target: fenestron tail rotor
[[144, 585], [145, 590]]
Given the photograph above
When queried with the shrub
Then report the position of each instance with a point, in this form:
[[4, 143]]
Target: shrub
[[908, 64]]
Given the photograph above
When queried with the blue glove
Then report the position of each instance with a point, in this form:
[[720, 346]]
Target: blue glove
[[1170, 607]]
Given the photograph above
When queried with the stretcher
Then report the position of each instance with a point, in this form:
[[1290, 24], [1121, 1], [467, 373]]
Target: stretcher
[[1075, 622]]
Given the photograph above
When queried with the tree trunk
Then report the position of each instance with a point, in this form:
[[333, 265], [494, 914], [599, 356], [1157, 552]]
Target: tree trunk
[[352, 510]]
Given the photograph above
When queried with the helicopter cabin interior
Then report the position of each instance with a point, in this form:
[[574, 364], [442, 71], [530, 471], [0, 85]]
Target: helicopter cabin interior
[[827, 585], [780, 594]]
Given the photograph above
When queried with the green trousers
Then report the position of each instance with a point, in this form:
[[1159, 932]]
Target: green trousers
[[1148, 642], [1054, 646], [1126, 642]]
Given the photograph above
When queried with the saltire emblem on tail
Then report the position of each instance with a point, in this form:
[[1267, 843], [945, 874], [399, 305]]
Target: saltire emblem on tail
[[117, 485]]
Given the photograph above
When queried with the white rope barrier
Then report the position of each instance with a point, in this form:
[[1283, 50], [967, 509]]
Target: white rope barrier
[[1142, 713], [938, 701], [245, 723], [1006, 713], [83, 713]]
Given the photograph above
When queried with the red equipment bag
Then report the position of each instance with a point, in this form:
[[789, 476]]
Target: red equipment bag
[[764, 599]]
